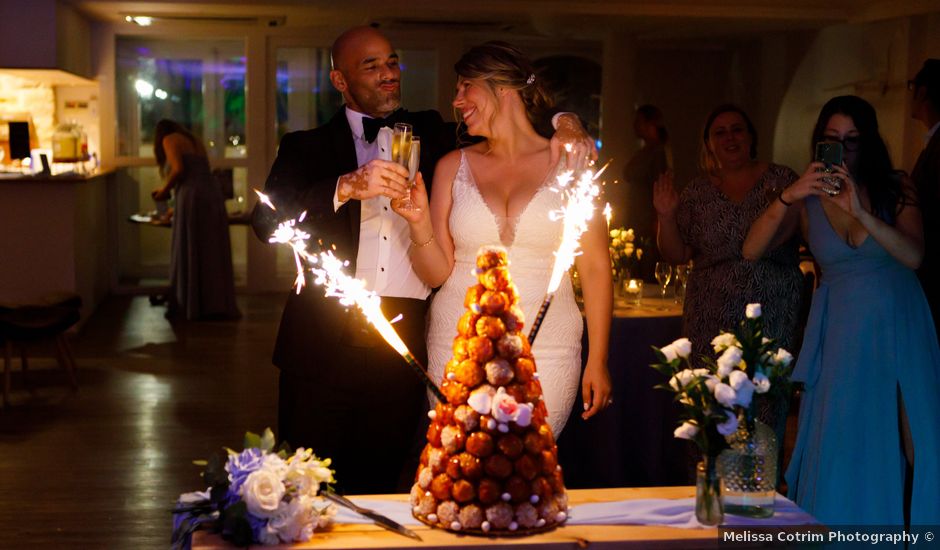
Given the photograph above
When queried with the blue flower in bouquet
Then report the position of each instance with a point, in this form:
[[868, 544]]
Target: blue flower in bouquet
[[240, 465], [258, 495]]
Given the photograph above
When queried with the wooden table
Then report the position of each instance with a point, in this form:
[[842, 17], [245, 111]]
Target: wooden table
[[362, 536]]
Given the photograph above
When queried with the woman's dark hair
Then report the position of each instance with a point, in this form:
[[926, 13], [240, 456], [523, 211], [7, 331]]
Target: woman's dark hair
[[166, 127], [707, 161], [652, 114], [501, 64], [873, 169]]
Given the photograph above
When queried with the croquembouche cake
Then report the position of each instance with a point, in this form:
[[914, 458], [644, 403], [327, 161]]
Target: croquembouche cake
[[491, 464]]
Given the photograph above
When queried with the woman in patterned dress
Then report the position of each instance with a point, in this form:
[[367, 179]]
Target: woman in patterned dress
[[707, 223]]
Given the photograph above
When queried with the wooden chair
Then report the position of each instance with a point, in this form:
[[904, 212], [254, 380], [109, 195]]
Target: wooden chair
[[21, 325]]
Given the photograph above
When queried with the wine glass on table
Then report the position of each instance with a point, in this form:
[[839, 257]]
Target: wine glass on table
[[663, 276], [406, 151]]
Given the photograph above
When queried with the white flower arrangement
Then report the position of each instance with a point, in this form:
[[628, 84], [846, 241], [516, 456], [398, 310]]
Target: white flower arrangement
[[624, 250], [259, 495], [712, 397]]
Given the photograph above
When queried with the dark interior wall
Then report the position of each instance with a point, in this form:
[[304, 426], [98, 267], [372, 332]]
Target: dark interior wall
[[686, 85]]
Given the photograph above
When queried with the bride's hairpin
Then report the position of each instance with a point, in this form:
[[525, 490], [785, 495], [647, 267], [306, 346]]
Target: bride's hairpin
[[531, 79]]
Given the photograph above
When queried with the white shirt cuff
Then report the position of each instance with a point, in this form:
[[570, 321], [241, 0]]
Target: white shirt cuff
[[336, 202]]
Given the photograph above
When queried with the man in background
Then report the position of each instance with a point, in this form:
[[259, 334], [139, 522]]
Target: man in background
[[925, 107]]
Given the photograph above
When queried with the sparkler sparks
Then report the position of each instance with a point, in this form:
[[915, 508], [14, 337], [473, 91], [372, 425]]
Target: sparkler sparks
[[327, 270], [576, 213]]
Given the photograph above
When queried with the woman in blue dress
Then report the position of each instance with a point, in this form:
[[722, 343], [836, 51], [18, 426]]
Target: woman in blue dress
[[868, 445]]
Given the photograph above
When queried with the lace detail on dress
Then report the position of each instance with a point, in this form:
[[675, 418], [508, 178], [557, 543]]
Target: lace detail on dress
[[507, 228], [531, 253]]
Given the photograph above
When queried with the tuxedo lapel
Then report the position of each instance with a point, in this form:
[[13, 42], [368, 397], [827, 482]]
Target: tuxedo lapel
[[344, 151]]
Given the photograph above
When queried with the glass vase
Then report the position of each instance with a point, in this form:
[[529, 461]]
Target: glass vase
[[621, 276], [748, 469], [708, 510]]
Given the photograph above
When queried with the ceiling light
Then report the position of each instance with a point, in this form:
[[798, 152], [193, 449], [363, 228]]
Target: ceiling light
[[142, 20]]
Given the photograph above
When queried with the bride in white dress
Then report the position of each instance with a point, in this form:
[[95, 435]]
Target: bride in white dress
[[498, 192]]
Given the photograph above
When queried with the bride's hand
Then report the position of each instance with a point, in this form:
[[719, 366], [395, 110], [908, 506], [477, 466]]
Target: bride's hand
[[574, 142], [595, 389], [420, 208]]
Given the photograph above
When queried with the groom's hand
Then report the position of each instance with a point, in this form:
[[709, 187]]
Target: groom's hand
[[376, 177]]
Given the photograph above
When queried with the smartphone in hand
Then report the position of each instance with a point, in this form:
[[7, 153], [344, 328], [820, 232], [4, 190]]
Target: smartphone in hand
[[830, 154]]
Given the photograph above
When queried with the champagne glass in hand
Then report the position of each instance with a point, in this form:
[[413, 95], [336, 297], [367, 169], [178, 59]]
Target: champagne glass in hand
[[663, 276], [406, 150]]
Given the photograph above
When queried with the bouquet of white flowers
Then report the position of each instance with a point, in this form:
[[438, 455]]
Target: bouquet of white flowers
[[625, 252], [258, 495], [713, 396]]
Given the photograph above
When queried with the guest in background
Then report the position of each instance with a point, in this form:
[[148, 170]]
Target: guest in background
[[639, 175], [707, 223], [870, 360], [925, 107], [202, 281]]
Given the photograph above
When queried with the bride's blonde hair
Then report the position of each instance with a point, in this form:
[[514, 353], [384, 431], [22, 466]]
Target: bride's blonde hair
[[501, 64]]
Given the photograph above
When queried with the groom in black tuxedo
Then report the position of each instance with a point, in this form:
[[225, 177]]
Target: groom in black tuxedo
[[342, 390]]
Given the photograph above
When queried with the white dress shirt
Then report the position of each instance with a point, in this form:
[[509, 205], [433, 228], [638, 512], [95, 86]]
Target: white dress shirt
[[930, 133], [384, 237]]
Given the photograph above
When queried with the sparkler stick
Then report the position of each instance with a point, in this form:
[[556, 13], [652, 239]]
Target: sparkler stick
[[577, 212], [328, 272]]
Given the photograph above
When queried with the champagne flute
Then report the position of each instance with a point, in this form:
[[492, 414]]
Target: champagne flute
[[663, 276], [682, 278], [406, 151]]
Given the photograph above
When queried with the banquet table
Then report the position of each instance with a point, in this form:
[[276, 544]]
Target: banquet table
[[630, 444], [674, 504]]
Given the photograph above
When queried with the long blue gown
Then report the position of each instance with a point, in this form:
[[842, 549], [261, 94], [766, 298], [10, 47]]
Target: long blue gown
[[869, 334]]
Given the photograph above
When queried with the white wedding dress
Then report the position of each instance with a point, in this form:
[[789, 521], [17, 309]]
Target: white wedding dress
[[531, 241]]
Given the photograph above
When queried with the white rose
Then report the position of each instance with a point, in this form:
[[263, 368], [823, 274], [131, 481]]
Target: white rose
[[627, 235], [737, 379], [683, 347], [262, 492], [615, 243], [670, 352], [681, 379], [294, 522], [725, 394], [686, 431], [783, 357], [481, 400], [728, 361], [752, 311], [614, 233], [761, 383], [711, 381], [730, 425], [724, 341]]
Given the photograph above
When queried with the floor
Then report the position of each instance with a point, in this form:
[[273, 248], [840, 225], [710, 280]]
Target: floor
[[102, 467]]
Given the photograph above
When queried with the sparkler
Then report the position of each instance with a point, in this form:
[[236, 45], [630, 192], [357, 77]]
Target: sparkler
[[576, 213], [328, 272]]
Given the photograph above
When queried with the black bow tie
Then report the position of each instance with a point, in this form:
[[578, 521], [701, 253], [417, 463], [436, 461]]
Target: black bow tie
[[370, 126]]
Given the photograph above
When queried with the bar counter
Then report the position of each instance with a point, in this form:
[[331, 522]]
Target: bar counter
[[54, 235]]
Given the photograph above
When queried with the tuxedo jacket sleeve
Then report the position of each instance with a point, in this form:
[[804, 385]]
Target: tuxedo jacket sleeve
[[303, 179]]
